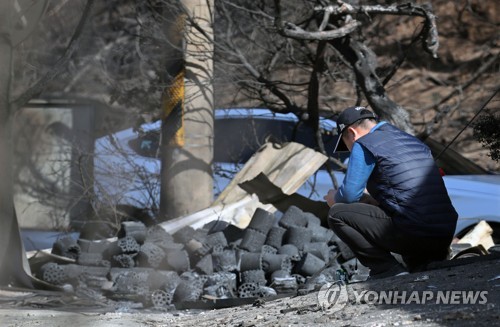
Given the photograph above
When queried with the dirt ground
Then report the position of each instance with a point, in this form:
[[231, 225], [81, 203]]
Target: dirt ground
[[482, 275]]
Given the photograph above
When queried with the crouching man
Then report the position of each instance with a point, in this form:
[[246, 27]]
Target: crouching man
[[414, 216]]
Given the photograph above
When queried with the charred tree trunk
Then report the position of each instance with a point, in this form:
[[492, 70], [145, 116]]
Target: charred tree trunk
[[313, 107], [12, 257], [337, 24]]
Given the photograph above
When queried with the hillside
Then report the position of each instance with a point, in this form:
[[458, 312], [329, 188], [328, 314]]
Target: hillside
[[115, 65], [441, 94]]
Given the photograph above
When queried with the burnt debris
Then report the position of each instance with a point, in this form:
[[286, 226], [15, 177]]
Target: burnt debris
[[148, 265]]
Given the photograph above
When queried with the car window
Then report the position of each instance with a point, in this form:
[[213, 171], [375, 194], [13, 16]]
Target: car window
[[237, 139]]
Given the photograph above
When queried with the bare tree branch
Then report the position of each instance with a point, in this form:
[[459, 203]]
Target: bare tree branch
[[443, 113], [431, 42], [400, 60], [288, 29], [59, 65], [289, 104], [293, 31]]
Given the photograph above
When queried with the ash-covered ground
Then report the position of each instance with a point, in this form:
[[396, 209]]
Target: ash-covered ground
[[473, 280]]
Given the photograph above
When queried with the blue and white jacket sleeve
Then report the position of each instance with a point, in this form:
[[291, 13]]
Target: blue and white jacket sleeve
[[359, 169]]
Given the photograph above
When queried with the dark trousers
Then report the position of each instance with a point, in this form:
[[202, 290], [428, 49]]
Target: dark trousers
[[372, 236]]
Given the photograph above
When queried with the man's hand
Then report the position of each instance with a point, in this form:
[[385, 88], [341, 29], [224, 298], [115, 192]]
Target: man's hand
[[330, 197]]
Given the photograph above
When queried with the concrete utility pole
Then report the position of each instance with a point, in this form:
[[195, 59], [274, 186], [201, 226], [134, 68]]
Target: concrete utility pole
[[187, 153]]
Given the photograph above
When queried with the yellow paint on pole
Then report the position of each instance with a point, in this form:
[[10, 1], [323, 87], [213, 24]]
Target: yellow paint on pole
[[173, 110], [173, 95]]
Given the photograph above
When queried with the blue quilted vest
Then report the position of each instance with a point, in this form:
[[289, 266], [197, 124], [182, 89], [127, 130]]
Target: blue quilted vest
[[408, 185]]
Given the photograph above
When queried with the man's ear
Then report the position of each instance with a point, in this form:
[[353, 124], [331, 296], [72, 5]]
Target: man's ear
[[353, 131]]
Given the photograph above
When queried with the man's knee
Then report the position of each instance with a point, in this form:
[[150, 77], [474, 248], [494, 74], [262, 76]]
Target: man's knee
[[335, 216]]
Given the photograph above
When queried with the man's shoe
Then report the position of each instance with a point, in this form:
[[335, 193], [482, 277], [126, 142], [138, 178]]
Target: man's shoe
[[396, 270]]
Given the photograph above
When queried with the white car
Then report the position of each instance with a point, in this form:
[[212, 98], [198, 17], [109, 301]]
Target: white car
[[127, 166]]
